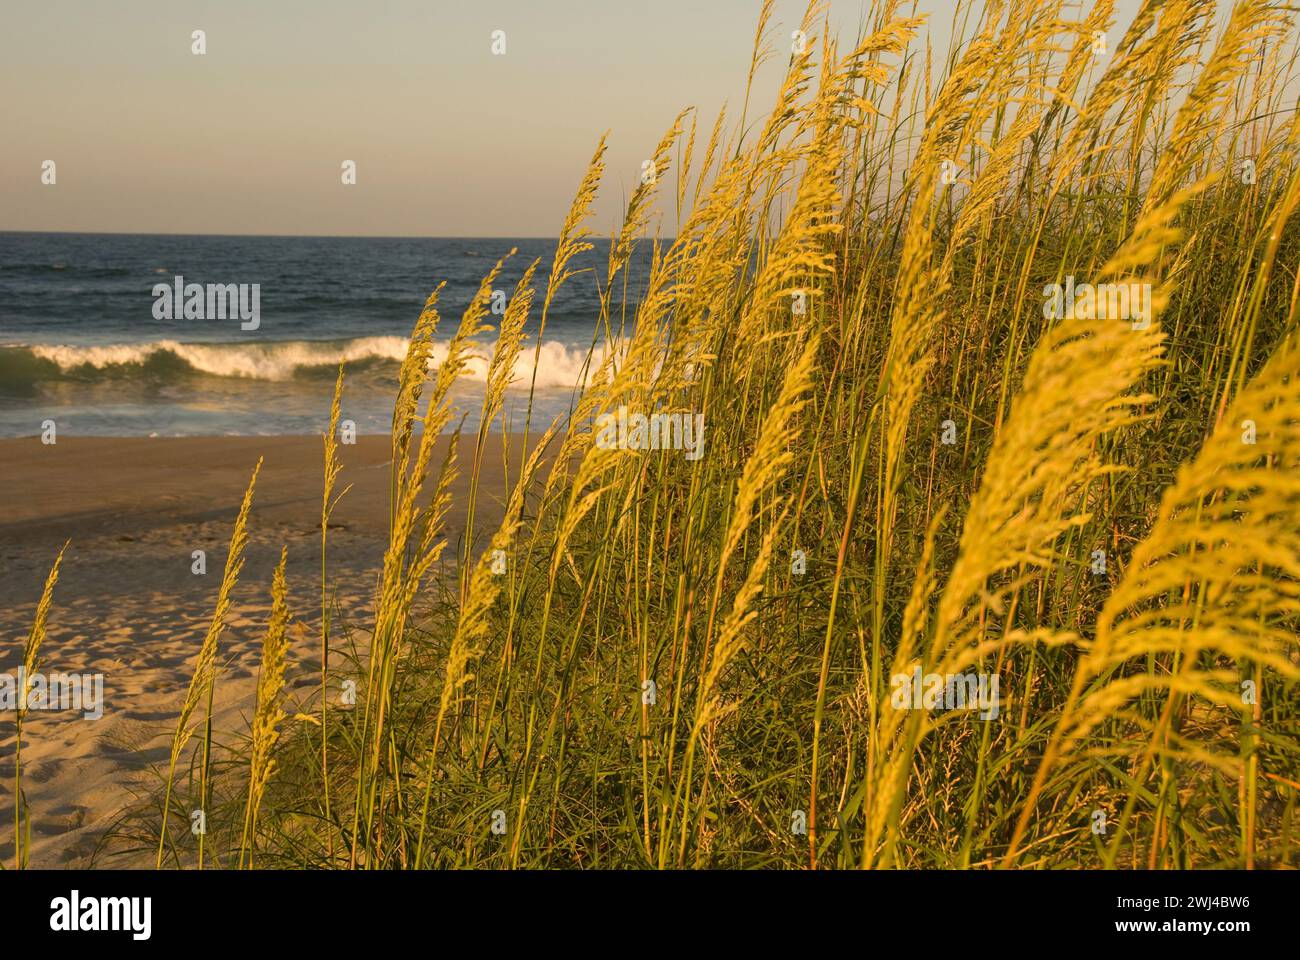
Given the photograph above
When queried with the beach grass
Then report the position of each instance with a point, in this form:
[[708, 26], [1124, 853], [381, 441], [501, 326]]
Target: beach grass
[[911, 465]]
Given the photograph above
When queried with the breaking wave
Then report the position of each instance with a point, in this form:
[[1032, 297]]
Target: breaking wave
[[559, 366]]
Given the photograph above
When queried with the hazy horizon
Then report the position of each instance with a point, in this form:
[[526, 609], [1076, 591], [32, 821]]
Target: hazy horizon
[[294, 236]]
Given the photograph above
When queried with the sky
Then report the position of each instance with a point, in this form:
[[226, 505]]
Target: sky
[[449, 139]]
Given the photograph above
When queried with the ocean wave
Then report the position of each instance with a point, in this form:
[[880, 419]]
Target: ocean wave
[[559, 366], [41, 269]]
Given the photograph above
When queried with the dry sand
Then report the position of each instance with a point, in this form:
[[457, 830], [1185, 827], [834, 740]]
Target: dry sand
[[128, 605]]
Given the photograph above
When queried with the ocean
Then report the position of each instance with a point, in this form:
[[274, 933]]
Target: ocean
[[86, 341]]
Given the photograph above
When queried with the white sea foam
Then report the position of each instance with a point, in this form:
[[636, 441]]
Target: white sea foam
[[558, 366]]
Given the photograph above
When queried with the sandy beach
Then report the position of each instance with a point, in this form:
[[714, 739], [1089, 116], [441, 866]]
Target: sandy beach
[[129, 606]]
